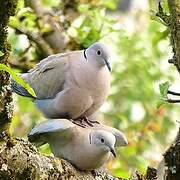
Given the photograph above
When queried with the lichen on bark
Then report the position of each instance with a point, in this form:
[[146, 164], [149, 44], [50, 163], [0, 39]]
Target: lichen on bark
[[174, 8], [172, 155], [7, 9], [172, 160], [21, 160]]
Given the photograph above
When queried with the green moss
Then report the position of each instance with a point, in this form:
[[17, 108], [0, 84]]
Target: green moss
[[7, 9], [27, 174], [5, 175]]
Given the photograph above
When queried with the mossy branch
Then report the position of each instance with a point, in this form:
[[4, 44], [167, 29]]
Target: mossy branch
[[174, 8], [7, 9], [172, 155], [19, 159]]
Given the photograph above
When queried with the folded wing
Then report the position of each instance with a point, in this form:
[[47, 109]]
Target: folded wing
[[41, 133]]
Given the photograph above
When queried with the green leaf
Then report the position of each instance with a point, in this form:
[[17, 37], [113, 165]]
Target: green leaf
[[18, 79], [153, 16], [111, 4], [52, 3], [1, 53], [160, 103], [163, 88], [83, 8]]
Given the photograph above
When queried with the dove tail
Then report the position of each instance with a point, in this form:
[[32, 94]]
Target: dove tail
[[18, 89], [36, 140]]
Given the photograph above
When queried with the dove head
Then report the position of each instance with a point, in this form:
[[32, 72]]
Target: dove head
[[98, 55], [103, 140]]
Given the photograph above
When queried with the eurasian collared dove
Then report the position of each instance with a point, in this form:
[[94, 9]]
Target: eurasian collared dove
[[86, 148], [70, 85]]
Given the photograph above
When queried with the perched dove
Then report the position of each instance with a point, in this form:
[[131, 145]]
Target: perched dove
[[70, 85], [85, 148]]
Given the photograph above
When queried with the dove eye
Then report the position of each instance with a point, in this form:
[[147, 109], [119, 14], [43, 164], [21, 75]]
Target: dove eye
[[102, 140], [98, 52]]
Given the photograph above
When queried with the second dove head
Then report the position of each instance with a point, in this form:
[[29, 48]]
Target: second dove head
[[98, 54], [103, 140]]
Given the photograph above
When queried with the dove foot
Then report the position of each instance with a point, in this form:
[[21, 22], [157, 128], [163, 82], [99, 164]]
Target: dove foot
[[92, 122], [87, 121], [83, 122], [78, 122]]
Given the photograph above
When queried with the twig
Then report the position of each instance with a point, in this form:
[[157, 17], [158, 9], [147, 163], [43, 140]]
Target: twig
[[161, 14], [173, 93], [57, 38], [22, 54], [173, 100], [24, 67], [41, 44]]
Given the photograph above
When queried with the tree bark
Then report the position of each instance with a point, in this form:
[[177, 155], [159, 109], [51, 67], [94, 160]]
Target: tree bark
[[172, 155], [21, 160], [7, 9], [174, 25]]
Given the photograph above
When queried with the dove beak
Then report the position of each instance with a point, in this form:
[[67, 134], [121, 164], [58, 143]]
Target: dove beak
[[108, 65], [113, 152]]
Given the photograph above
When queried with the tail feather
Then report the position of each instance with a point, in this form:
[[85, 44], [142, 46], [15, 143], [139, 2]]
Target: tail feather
[[17, 88], [37, 140]]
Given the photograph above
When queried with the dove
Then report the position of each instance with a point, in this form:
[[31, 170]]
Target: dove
[[85, 148], [72, 85]]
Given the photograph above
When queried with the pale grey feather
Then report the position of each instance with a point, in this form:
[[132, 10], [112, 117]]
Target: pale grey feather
[[86, 148], [74, 84]]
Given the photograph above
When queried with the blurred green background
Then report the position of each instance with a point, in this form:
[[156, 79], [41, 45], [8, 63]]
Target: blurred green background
[[140, 52]]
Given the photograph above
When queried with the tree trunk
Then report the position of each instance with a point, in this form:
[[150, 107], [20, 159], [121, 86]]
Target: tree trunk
[[172, 155], [174, 25], [7, 9]]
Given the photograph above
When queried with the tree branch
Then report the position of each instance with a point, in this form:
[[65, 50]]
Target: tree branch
[[174, 7], [173, 93], [7, 9], [21, 160], [172, 155], [56, 37], [40, 43], [173, 100]]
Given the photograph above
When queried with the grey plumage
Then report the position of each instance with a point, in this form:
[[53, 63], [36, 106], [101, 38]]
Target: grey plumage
[[70, 85], [86, 148], [18, 89]]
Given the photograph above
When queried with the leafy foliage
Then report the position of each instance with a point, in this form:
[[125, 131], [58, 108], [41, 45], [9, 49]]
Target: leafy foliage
[[91, 26], [163, 87], [18, 79]]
